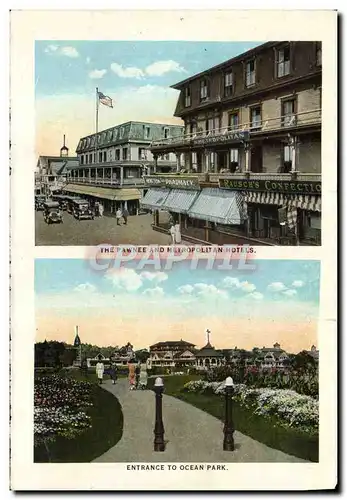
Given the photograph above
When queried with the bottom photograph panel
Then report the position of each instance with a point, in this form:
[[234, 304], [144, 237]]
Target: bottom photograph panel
[[176, 364]]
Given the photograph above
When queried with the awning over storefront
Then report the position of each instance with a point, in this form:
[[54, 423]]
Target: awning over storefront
[[303, 201], [154, 198], [219, 206], [114, 194], [180, 200]]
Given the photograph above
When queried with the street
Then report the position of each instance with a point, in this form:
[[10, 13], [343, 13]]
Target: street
[[101, 230]]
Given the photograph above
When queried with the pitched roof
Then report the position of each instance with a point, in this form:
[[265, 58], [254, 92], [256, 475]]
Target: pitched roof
[[172, 343], [209, 351]]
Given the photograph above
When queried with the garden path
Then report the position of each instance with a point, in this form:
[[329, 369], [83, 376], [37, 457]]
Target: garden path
[[191, 434]]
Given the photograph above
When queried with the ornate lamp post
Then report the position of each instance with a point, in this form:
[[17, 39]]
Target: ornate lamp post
[[159, 444], [228, 443]]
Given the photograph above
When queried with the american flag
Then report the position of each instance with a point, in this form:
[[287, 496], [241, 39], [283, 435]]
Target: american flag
[[104, 99]]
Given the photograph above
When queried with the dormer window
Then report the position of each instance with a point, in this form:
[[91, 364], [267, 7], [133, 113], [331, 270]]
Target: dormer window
[[228, 84], [166, 132], [147, 132], [283, 62], [203, 90], [187, 100], [250, 73]]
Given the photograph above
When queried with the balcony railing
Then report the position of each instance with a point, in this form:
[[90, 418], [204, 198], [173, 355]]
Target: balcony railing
[[242, 132], [100, 181]]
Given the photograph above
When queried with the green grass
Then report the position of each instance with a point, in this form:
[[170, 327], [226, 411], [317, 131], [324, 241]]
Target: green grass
[[268, 431], [107, 429]]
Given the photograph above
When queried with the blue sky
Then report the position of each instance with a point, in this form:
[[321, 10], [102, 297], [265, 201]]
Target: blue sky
[[136, 75]]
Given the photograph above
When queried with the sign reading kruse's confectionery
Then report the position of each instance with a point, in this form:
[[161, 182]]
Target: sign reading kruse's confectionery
[[274, 186]]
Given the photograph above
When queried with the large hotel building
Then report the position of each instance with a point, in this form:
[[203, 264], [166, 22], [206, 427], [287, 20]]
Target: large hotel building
[[248, 162]]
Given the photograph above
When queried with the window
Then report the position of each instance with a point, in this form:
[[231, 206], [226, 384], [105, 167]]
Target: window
[[203, 90], [283, 62], [288, 113], [142, 154], [166, 133], [319, 54], [105, 156], [90, 158], [187, 101], [255, 118], [210, 126], [125, 153], [233, 120], [117, 154], [92, 142], [100, 156], [287, 159], [250, 73], [147, 132], [234, 156], [81, 159], [228, 84], [166, 157]]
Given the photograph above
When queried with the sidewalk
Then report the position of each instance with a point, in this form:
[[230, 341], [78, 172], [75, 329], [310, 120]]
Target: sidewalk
[[191, 435]]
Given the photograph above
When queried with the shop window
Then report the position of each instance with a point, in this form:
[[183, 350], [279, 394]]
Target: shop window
[[250, 73], [283, 62], [233, 120], [288, 113], [228, 84], [187, 99], [255, 118], [204, 91]]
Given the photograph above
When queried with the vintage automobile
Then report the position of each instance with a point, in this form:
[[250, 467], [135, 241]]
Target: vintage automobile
[[82, 210], [52, 213], [61, 199], [39, 201]]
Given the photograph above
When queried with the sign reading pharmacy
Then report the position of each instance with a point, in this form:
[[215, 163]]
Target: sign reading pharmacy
[[272, 186], [186, 183], [222, 138]]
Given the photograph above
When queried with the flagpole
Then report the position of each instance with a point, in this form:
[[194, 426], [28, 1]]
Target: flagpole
[[96, 124]]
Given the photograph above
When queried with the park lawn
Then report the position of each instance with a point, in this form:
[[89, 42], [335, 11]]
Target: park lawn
[[107, 429], [268, 431]]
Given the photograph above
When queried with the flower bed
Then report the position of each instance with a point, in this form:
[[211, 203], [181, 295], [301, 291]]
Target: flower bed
[[292, 409], [60, 405]]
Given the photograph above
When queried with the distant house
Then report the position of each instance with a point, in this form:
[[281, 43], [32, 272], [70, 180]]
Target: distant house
[[171, 353], [313, 352], [208, 357]]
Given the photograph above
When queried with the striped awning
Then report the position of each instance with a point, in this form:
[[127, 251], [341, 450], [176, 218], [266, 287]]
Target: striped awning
[[303, 201], [154, 198], [114, 194], [180, 200], [221, 206]]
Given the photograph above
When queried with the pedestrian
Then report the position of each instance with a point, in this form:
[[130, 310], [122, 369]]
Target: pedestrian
[[96, 209], [118, 216], [173, 234], [137, 374], [178, 237], [125, 216], [101, 209], [113, 372], [143, 376], [100, 368], [132, 375]]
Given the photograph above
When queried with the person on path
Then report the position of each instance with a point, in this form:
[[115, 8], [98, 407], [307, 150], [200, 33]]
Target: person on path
[[178, 237], [137, 374], [118, 216], [173, 234], [132, 375], [100, 368], [113, 372], [143, 376], [101, 209], [125, 216]]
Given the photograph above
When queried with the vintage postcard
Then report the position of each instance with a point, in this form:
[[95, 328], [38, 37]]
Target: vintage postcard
[[174, 216]]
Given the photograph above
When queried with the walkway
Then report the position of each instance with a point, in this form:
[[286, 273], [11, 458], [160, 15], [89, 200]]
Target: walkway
[[191, 435]]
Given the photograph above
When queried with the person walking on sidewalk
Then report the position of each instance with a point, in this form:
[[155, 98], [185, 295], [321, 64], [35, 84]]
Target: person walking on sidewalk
[[178, 237], [125, 216], [118, 216], [100, 371], [173, 234], [113, 372], [132, 375]]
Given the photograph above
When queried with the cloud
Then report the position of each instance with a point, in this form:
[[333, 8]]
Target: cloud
[[63, 51], [130, 72], [154, 292], [85, 287], [156, 277], [186, 289], [204, 290], [125, 279], [289, 293], [256, 295], [88, 60], [276, 286], [298, 284], [96, 74], [159, 68], [235, 283]]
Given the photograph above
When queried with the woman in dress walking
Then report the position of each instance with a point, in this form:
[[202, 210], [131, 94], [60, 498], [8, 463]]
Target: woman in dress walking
[[132, 375], [178, 237], [113, 372], [143, 376], [100, 368]]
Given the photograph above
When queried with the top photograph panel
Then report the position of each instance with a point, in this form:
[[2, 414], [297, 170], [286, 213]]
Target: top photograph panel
[[142, 143]]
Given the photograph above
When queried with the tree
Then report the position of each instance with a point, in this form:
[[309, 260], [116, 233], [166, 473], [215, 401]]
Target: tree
[[142, 355]]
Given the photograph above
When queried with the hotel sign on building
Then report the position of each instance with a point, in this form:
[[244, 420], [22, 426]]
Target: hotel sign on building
[[272, 186], [185, 183], [222, 138]]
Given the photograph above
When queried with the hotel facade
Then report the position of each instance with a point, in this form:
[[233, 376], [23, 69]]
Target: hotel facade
[[248, 166]]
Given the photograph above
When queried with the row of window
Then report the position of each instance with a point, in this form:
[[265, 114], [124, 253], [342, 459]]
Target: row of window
[[283, 66], [107, 156], [117, 133]]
